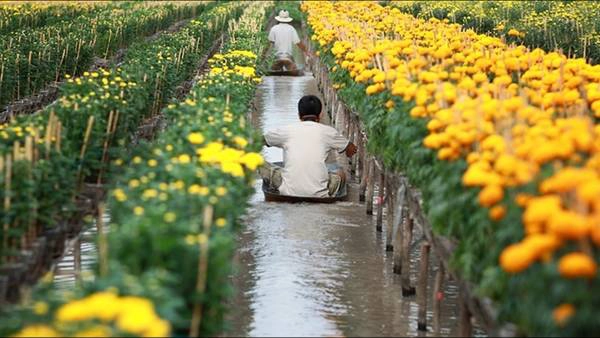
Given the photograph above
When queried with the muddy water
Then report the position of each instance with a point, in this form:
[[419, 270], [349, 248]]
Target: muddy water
[[315, 269]]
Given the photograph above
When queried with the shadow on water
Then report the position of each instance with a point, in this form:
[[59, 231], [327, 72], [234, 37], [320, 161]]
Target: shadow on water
[[315, 269]]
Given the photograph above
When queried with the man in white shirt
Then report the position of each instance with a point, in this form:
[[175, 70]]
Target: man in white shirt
[[283, 36], [306, 144]]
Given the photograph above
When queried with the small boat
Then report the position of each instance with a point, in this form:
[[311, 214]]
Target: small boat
[[282, 64], [275, 196], [295, 72]]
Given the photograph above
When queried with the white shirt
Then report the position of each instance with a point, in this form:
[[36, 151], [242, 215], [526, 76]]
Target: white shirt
[[306, 145], [284, 36]]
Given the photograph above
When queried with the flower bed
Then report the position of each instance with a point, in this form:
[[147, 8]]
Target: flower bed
[[174, 212], [47, 157], [502, 142], [181, 196], [549, 25], [30, 59], [32, 15]]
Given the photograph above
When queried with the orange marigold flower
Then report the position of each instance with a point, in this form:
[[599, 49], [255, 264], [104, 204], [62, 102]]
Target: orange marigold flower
[[540, 209], [541, 245], [569, 225], [516, 258], [490, 195], [497, 213], [577, 265], [562, 313]]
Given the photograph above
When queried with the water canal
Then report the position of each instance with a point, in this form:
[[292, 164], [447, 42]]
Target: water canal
[[316, 269]]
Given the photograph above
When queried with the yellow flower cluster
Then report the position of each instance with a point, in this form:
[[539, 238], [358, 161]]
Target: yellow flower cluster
[[229, 159], [133, 315], [509, 111], [226, 64]]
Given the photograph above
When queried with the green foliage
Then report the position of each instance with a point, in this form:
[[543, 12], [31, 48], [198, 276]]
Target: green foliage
[[31, 58], [571, 26]]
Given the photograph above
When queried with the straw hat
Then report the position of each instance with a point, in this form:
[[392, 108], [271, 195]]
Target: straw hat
[[284, 16]]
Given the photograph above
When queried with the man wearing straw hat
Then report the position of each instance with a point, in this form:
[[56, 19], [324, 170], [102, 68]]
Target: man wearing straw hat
[[284, 36]]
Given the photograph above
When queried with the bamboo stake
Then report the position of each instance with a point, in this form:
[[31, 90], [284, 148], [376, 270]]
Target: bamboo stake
[[58, 135], [202, 270], [86, 138], [49, 132], [79, 44], [60, 65], [1, 77], [105, 146], [108, 44], [29, 149], [18, 77], [36, 140], [29, 235], [29, 73], [102, 244], [7, 191]]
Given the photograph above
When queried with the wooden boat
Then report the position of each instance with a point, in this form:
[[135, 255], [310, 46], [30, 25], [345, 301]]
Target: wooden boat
[[280, 68], [295, 72], [275, 196]]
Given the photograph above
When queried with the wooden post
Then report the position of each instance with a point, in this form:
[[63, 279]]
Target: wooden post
[[391, 205], [77, 260], [422, 288], [380, 198], [407, 289], [352, 159], [339, 118], [370, 185], [399, 218], [356, 141], [464, 328], [348, 125], [364, 170], [334, 115], [438, 296], [361, 159]]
